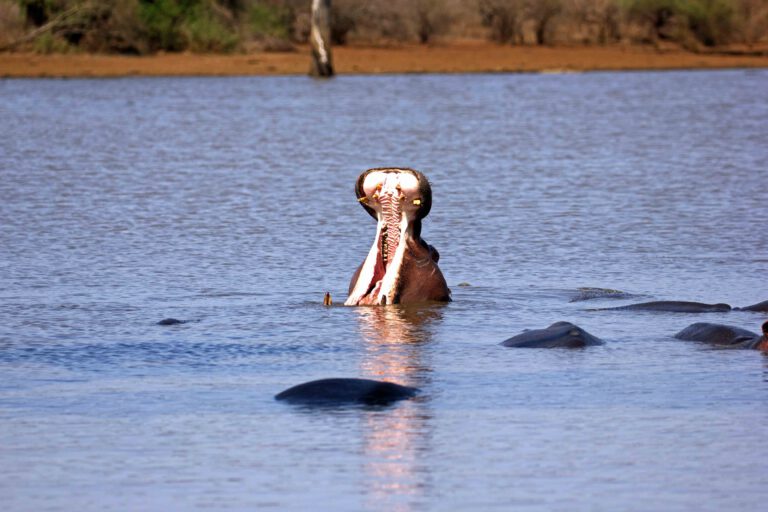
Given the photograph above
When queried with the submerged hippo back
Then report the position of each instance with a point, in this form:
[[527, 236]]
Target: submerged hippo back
[[676, 306], [341, 390], [557, 335], [717, 334]]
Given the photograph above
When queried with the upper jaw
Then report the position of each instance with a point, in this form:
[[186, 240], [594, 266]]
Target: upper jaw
[[413, 184], [396, 198]]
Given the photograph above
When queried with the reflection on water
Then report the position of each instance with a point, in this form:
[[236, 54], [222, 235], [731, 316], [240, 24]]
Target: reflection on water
[[396, 442], [394, 341]]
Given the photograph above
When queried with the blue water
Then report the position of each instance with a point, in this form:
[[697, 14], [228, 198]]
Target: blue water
[[229, 202]]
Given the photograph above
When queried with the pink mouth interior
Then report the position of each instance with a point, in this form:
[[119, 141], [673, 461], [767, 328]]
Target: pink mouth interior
[[387, 245]]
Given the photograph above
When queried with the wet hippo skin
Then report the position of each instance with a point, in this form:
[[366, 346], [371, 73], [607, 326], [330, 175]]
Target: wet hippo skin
[[557, 335], [760, 307], [725, 336], [673, 306], [346, 391]]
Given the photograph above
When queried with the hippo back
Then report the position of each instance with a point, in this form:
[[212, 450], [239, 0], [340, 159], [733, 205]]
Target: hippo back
[[557, 335], [716, 334]]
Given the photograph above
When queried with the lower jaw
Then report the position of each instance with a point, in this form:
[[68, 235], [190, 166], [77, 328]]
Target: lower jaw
[[377, 294], [383, 290]]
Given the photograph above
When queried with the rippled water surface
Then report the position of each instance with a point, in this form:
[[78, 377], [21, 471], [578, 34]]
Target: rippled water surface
[[229, 202]]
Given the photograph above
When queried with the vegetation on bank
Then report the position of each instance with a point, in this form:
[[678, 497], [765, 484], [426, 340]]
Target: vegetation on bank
[[150, 26]]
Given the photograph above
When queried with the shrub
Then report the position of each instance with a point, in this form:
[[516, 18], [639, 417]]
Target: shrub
[[345, 16], [11, 22], [162, 23], [114, 26], [654, 15], [710, 21], [542, 13], [198, 25], [504, 19], [600, 18], [429, 18], [49, 43], [752, 20], [205, 30], [270, 20]]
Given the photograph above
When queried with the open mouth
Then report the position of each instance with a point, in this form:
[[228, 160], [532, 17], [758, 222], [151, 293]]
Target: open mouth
[[398, 199]]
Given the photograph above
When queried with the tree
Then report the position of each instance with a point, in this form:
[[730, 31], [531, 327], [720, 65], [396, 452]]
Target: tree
[[542, 12], [320, 39], [430, 18], [504, 18]]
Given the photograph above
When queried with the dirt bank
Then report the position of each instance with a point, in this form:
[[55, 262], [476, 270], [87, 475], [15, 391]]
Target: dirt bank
[[470, 57]]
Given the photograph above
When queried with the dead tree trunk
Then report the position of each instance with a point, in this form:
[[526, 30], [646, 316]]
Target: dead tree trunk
[[320, 37]]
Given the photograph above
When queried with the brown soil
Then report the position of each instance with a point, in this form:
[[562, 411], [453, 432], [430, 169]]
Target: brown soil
[[463, 57]]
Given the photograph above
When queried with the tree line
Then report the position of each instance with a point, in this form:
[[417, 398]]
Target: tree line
[[150, 26]]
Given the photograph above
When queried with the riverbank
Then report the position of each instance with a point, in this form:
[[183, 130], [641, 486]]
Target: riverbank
[[469, 57]]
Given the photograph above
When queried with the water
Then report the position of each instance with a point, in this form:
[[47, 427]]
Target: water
[[229, 202]]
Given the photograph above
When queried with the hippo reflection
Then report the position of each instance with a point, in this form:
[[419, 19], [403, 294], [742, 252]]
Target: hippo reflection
[[400, 267], [557, 335], [725, 336]]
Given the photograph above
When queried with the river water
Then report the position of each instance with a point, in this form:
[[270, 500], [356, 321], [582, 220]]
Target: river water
[[229, 202]]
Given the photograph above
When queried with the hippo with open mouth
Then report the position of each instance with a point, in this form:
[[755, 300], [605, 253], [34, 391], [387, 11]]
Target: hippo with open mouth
[[401, 268]]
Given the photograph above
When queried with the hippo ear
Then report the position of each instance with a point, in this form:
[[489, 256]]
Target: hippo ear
[[360, 193], [765, 328], [426, 194]]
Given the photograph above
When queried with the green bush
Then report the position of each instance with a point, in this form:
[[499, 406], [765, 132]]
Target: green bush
[[175, 25], [48, 43], [710, 21], [205, 32], [270, 20], [162, 22]]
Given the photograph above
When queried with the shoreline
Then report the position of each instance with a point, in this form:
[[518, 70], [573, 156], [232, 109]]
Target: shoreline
[[455, 58]]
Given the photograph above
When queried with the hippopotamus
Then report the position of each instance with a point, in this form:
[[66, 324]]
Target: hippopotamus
[[590, 293], [725, 336], [760, 306], [400, 268], [674, 306], [346, 391], [171, 321], [557, 335]]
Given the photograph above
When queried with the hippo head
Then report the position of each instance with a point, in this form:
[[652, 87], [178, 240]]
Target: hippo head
[[400, 266], [763, 340]]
